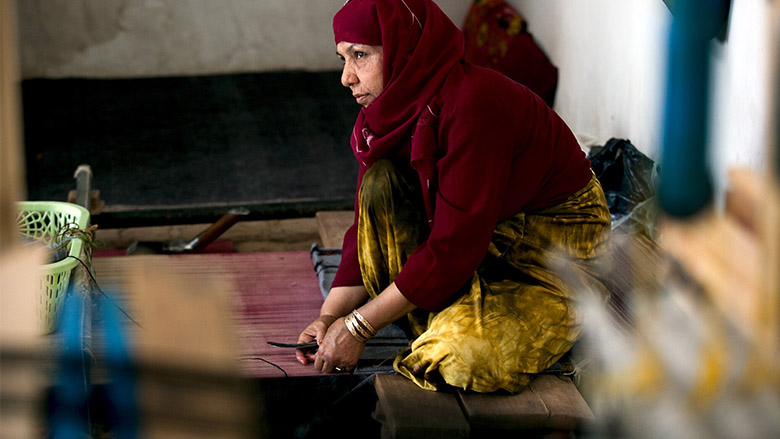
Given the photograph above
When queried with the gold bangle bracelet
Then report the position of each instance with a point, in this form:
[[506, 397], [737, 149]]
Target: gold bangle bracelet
[[364, 332], [362, 320], [352, 327]]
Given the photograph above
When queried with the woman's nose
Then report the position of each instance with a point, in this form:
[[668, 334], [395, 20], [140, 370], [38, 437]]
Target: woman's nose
[[348, 76]]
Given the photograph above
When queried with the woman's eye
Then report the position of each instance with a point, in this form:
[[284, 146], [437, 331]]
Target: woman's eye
[[359, 54]]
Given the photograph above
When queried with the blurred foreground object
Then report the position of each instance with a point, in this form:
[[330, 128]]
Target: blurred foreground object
[[11, 154], [24, 370], [184, 353], [692, 351], [734, 257], [689, 346]]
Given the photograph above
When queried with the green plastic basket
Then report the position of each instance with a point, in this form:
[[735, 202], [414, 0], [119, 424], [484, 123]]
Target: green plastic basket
[[42, 221]]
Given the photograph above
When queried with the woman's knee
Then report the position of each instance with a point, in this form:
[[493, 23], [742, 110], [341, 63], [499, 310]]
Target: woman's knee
[[377, 180], [385, 184]]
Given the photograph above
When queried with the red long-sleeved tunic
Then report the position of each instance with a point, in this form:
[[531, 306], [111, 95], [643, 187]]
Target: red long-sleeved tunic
[[487, 148]]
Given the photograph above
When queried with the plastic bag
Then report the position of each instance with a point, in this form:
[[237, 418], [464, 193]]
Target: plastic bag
[[629, 179]]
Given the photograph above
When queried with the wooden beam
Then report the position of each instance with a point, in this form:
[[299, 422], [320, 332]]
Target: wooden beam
[[12, 187], [333, 225], [295, 234]]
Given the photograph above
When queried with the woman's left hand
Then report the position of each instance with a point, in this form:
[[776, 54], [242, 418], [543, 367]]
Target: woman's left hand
[[339, 349]]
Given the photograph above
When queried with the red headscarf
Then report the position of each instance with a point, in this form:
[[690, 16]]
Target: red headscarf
[[420, 45]]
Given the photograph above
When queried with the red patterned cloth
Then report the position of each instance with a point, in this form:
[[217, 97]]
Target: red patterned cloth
[[497, 37]]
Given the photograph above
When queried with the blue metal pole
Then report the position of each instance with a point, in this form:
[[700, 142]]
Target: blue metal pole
[[686, 186]]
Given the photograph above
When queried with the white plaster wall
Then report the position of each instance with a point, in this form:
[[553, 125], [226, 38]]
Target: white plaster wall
[[132, 38], [611, 55], [742, 77], [612, 60]]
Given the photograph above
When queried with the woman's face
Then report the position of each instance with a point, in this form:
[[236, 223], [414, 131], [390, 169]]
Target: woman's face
[[362, 70]]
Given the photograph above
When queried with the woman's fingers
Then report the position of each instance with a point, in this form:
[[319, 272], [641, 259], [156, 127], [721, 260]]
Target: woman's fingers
[[321, 364], [305, 356], [338, 349], [312, 332], [325, 321], [315, 331]]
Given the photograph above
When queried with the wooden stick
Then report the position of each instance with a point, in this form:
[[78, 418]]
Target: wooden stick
[[11, 165], [769, 231]]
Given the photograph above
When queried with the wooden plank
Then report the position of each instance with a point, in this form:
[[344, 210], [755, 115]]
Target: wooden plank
[[407, 411], [292, 234], [25, 378], [568, 409], [548, 403], [730, 264], [489, 413], [185, 316], [333, 225], [745, 197], [189, 381], [12, 186]]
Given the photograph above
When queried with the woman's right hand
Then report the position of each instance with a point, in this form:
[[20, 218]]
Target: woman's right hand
[[315, 331], [339, 302]]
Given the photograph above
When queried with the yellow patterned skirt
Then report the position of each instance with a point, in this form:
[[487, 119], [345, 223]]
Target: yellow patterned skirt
[[517, 316]]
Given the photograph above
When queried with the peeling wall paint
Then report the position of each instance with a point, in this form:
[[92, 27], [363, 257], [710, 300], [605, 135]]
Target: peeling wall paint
[[134, 38], [611, 55]]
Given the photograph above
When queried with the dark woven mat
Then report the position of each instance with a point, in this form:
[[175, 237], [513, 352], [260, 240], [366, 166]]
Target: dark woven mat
[[175, 148]]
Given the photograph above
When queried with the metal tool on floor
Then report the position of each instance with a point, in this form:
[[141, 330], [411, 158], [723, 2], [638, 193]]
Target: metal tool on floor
[[197, 243]]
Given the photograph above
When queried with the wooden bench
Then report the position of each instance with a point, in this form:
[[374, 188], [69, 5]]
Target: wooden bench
[[549, 406], [407, 411]]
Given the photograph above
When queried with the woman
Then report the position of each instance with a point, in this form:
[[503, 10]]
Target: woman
[[469, 188]]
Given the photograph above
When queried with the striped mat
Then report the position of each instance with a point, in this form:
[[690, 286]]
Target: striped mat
[[274, 296]]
